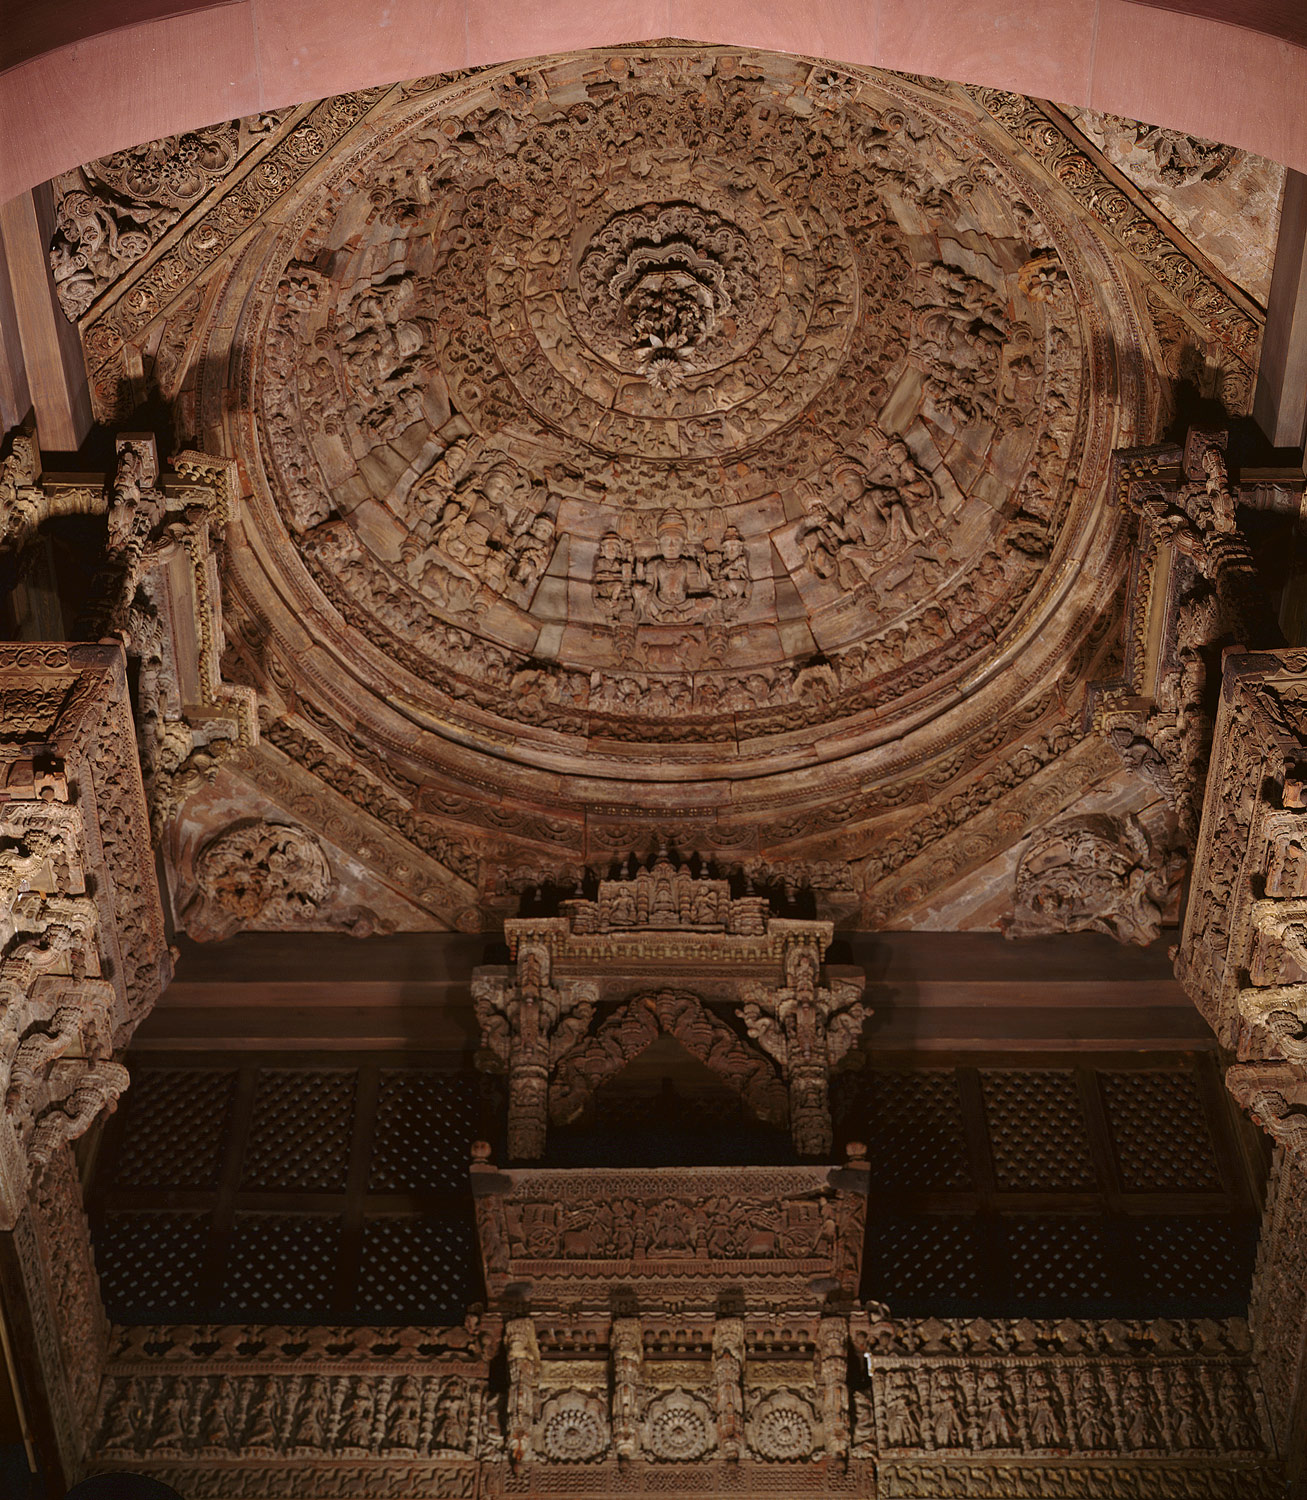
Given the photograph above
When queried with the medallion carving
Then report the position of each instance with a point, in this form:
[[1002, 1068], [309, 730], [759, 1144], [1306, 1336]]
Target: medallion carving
[[1094, 874]]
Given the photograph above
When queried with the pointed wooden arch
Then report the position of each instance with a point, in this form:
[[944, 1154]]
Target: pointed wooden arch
[[637, 1025]]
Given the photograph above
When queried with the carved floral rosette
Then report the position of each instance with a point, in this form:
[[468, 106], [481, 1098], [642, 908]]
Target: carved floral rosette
[[681, 1233]]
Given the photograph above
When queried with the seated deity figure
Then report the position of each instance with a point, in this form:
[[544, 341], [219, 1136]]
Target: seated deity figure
[[671, 585], [614, 571]]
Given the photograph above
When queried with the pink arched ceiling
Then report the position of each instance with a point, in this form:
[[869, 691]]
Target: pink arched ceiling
[[85, 77]]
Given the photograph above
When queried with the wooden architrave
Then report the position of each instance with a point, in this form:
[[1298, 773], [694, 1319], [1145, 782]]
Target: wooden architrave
[[636, 1025]]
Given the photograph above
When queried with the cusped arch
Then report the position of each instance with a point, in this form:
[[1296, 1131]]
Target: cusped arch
[[683, 1016]]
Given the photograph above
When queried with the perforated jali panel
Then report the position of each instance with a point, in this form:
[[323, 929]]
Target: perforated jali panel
[[175, 1127], [1060, 1264], [928, 1263], [418, 1270], [1037, 1131], [265, 1190], [426, 1123], [281, 1266], [151, 1265], [245, 1193], [1191, 1259], [911, 1122], [1041, 1190], [301, 1130], [1160, 1133]]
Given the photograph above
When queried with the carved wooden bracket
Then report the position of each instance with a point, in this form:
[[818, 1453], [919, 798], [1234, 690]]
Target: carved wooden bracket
[[527, 1025], [807, 1028]]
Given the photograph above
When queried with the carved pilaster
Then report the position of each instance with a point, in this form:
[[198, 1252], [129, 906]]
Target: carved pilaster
[[807, 1028], [1279, 1302], [626, 1353], [57, 1324], [522, 1353], [158, 591], [1194, 590], [728, 1384], [82, 953], [831, 1373], [1243, 961], [527, 1024]]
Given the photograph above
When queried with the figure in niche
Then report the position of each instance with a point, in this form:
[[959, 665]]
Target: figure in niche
[[734, 580], [311, 1422], [1046, 1429], [945, 1414], [613, 577], [902, 1411], [531, 549], [260, 1428], [217, 1429], [170, 1424], [403, 1418], [1232, 1402], [449, 1428], [997, 1423], [1137, 1411], [359, 1410], [673, 585], [120, 1423], [1094, 1431], [670, 1235], [1188, 1427]]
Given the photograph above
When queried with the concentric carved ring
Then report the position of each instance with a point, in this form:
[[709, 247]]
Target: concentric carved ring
[[678, 1427], [572, 1428]]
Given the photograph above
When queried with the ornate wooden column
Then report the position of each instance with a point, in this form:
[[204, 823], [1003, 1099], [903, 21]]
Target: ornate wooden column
[[527, 1024], [807, 1027], [1243, 960], [83, 957]]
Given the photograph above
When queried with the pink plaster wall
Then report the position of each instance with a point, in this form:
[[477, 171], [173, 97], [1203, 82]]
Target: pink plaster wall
[[157, 73]]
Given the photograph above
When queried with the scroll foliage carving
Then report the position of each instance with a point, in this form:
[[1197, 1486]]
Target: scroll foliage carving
[[621, 1038]]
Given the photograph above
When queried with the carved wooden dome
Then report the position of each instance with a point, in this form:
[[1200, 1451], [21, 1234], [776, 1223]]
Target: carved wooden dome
[[635, 421]]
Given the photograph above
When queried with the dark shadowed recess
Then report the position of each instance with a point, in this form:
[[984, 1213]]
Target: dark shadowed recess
[[261, 1188]]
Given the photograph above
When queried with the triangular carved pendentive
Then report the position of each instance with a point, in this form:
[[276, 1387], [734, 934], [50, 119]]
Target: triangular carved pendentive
[[684, 1017]]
